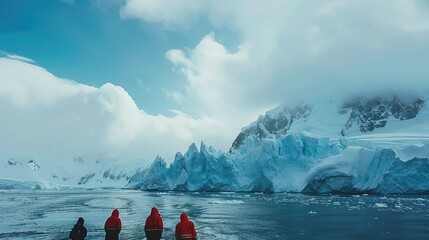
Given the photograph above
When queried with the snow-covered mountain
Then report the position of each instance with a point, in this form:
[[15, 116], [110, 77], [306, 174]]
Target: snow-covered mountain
[[18, 172], [320, 146]]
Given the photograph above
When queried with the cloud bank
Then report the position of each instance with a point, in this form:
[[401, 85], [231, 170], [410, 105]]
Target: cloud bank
[[50, 117], [288, 51], [292, 50]]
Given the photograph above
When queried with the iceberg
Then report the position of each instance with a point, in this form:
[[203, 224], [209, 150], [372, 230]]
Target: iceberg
[[264, 166], [196, 170], [364, 146]]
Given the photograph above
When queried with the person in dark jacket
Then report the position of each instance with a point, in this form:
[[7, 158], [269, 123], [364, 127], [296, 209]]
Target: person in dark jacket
[[185, 229], [79, 231], [113, 226], [153, 226]]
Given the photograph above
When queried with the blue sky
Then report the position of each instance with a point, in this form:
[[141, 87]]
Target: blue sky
[[89, 42], [137, 78]]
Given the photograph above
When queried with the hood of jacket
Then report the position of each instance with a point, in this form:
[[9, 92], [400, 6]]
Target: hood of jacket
[[115, 213], [80, 221], [154, 211], [184, 217]]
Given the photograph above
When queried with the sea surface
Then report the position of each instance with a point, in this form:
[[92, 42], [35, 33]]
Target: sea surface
[[51, 214]]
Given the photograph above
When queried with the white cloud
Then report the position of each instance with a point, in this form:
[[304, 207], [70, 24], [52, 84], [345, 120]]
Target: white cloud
[[16, 57], [289, 50], [43, 115], [292, 50], [175, 96], [170, 12], [217, 86], [20, 58], [211, 70]]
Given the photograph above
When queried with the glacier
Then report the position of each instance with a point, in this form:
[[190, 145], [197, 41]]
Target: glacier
[[261, 165], [294, 163], [378, 145], [361, 170], [364, 146]]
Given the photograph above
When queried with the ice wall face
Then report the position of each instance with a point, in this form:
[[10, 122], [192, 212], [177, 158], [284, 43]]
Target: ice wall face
[[282, 161], [406, 177], [259, 165], [363, 146], [354, 170], [360, 170], [197, 170]]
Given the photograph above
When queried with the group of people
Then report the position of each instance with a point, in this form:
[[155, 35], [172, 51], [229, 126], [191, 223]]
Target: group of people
[[185, 229]]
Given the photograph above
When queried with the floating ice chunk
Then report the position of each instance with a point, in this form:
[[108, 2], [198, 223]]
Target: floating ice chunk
[[336, 204], [226, 202], [228, 193], [380, 205]]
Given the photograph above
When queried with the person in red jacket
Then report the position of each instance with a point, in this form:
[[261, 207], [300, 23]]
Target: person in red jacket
[[153, 226], [185, 229], [113, 226]]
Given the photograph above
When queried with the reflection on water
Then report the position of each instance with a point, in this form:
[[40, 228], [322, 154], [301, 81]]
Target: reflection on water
[[50, 215]]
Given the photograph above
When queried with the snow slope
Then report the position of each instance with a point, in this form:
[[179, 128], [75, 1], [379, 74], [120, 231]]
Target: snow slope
[[17, 172], [365, 145]]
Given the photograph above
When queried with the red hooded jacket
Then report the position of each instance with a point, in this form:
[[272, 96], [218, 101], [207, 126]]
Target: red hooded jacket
[[154, 221], [113, 225], [185, 229]]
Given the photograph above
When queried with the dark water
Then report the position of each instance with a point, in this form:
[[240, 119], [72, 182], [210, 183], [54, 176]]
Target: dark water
[[50, 215]]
